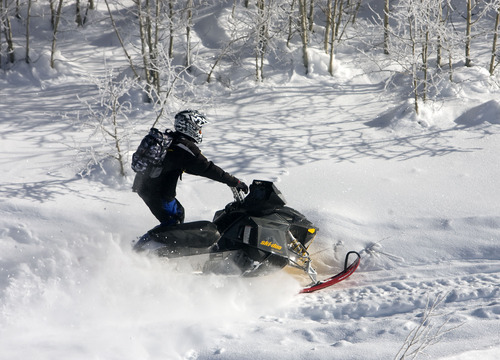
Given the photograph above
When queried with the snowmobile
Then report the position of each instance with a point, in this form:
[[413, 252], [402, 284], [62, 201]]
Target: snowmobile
[[255, 235]]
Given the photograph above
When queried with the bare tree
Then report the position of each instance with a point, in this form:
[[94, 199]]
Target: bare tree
[[149, 29], [339, 15], [416, 32], [260, 28], [117, 32], [447, 41], [6, 25], [81, 13], [175, 84], [227, 50], [475, 11], [107, 117]]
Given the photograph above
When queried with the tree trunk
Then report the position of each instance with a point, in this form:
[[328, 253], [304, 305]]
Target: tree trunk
[[413, 39], [290, 23], [1, 31], [425, 64], [54, 34], [333, 32], [327, 25], [78, 16], [156, 41], [145, 60], [28, 17], [311, 16], [468, 33], [52, 13], [494, 47], [261, 40], [116, 136], [171, 28], [332, 47], [386, 27], [356, 11], [7, 32], [450, 65], [188, 33], [439, 46], [304, 33], [339, 17], [415, 93], [149, 38]]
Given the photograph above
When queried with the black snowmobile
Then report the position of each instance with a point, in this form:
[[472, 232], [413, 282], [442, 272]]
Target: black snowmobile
[[254, 235]]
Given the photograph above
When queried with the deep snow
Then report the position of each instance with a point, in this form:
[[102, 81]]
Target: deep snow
[[417, 196]]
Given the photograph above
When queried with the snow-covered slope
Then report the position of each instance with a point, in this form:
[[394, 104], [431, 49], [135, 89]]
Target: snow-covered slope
[[416, 196]]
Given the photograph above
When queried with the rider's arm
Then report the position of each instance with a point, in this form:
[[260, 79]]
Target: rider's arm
[[194, 162]]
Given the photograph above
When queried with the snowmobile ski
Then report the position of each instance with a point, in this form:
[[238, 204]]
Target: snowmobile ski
[[348, 271]]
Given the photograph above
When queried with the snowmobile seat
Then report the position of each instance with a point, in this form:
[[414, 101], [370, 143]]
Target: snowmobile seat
[[197, 234]]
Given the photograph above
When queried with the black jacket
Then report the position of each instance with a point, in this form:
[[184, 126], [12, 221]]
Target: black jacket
[[183, 156]]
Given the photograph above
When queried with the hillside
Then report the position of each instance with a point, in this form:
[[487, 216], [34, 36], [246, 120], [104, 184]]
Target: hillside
[[417, 196]]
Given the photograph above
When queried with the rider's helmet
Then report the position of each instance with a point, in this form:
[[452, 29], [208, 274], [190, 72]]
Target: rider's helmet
[[189, 123]]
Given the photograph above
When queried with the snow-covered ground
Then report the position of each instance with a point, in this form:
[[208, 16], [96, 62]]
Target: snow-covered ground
[[418, 197]]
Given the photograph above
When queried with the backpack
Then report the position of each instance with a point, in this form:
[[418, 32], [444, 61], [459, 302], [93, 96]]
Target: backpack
[[148, 159]]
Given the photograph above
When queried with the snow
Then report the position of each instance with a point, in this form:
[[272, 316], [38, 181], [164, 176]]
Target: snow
[[417, 196]]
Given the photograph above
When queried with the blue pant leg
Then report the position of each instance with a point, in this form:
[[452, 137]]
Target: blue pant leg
[[173, 212]]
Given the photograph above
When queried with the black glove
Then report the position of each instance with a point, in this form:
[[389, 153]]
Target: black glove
[[242, 187]]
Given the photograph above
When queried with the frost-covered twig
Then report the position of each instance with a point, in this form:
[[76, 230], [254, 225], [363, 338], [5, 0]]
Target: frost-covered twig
[[426, 333], [108, 116], [374, 250]]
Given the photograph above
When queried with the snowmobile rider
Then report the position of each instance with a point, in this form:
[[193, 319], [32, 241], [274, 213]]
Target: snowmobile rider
[[183, 155]]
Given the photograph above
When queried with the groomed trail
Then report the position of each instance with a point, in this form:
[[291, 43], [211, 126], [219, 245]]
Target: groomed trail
[[417, 197]]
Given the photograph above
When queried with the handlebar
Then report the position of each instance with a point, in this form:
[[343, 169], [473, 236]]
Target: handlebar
[[238, 195]]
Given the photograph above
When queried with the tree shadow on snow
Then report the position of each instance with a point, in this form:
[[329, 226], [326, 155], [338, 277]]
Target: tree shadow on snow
[[292, 130], [47, 190]]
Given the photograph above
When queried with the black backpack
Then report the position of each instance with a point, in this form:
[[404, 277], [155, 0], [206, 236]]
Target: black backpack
[[148, 159]]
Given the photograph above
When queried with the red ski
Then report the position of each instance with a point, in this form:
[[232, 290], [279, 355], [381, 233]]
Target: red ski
[[348, 270]]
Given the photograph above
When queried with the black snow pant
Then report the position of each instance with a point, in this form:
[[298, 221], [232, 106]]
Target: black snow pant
[[167, 212]]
